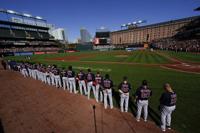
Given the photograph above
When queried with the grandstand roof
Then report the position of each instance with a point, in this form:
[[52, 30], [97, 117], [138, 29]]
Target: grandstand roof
[[23, 25]]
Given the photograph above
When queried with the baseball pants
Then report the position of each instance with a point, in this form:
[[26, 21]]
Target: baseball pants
[[35, 74], [65, 83], [124, 99], [142, 104], [89, 86], [52, 79], [57, 81], [108, 95], [48, 79], [166, 112], [98, 92], [24, 72], [72, 85], [43, 77], [29, 72], [82, 86]]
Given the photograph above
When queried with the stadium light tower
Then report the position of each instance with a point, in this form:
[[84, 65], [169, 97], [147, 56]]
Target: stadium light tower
[[27, 15], [133, 24], [38, 17], [11, 11]]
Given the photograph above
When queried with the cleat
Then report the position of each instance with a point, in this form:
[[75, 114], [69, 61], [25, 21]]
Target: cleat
[[163, 129], [168, 127]]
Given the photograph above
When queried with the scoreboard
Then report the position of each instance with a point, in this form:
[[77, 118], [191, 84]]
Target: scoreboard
[[102, 38]]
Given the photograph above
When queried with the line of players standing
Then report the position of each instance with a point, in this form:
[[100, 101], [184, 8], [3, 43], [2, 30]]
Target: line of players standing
[[102, 89]]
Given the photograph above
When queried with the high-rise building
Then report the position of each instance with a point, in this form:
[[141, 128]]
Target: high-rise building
[[85, 36], [59, 34]]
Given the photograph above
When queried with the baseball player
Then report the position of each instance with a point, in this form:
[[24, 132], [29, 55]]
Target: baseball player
[[52, 75], [71, 78], [35, 71], [90, 79], [57, 77], [107, 91], [64, 77], [98, 81], [81, 82], [38, 72], [48, 78], [24, 70], [124, 89], [143, 93], [43, 74], [167, 106]]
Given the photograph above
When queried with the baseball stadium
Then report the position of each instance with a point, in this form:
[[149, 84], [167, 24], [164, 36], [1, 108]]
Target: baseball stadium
[[41, 78]]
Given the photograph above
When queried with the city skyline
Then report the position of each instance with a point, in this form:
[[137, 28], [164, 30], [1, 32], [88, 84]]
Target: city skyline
[[92, 14], [85, 36]]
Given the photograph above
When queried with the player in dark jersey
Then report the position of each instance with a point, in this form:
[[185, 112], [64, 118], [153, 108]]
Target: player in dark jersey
[[56, 72], [90, 79], [48, 78], [107, 91], [124, 89], [98, 82], [72, 81], [81, 81], [143, 93], [167, 106], [63, 77]]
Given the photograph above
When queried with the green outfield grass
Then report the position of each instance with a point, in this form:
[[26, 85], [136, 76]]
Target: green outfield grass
[[190, 57], [144, 57], [185, 118]]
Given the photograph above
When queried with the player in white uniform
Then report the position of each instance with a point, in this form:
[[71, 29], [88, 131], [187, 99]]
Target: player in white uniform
[[124, 89], [143, 93], [98, 82], [167, 106], [48, 78], [63, 77], [90, 80], [81, 81], [57, 77], [107, 91], [52, 76], [72, 81]]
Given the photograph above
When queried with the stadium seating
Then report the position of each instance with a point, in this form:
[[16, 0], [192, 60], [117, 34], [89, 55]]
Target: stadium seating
[[5, 33], [19, 33], [34, 34]]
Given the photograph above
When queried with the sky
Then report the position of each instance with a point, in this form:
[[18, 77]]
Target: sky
[[92, 14]]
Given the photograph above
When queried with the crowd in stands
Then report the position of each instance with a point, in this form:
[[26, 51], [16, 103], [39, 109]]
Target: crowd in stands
[[174, 45], [29, 49]]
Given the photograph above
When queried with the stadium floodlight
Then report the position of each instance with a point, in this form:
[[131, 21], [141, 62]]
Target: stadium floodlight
[[134, 22], [26, 15], [11, 11], [38, 17], [140, 21], [124, 25]]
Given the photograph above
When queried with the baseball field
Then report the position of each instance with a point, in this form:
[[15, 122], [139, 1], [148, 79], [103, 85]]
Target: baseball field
[[181, 70]]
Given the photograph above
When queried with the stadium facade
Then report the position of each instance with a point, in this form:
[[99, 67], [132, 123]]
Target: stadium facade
[[22, 32], [149, 33]]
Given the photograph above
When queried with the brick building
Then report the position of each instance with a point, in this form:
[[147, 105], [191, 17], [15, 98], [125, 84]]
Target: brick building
[[148, 33]]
